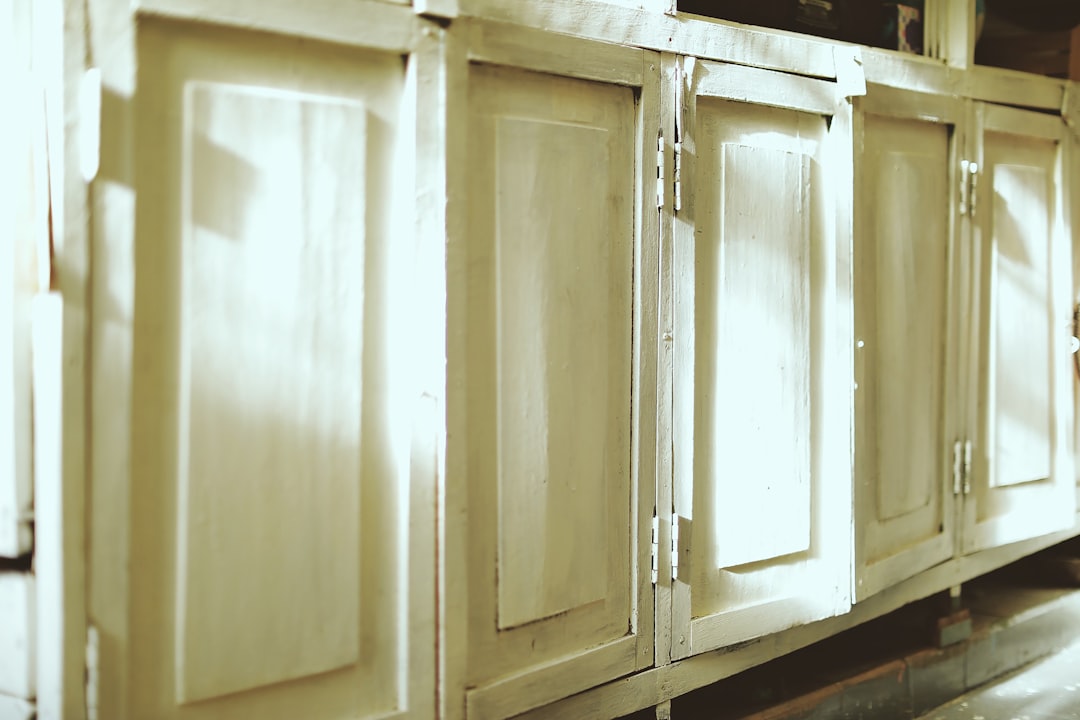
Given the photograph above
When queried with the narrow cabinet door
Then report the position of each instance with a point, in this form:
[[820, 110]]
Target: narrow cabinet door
[[762, 370], [906, 402], [552, 465], [1021, 482], [278, 545], [24, 229]]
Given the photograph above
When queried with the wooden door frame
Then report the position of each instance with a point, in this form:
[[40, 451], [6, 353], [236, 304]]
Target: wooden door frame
[[111, 27], [472, 41], [949, 111], [989, 117], [690, 636]]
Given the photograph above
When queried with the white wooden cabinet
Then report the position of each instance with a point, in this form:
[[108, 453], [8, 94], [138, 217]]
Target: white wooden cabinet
[[280, 535], [23, 224], [908, 293], [552, 462], [964, 412], [1022, 481], [762, 390]]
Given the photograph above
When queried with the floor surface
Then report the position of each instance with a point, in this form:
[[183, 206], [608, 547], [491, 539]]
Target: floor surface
[[1045, 690]]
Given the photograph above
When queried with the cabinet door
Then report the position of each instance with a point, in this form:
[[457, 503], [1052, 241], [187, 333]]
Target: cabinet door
[[281, 546], [23, 223], [557, 367], [1021, 482], [762, 360], [906, 313]]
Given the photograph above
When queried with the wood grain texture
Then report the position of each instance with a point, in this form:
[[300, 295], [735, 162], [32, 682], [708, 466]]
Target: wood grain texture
[[552, 303], [646, 28], [752, 424], [373, 24], [272, 315], [501, 43]]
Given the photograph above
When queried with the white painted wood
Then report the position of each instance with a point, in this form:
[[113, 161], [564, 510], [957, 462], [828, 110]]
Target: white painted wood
[[109, 24], [280, 325], [557, 286], [670, 66], [692, 35], [453, 234], [761, 470], [505, 44], [18, 635], [645, 689], [24, 213], [1022, 476], [60, 342], [907, 402], [16, 708], [53, 545], [320, 532], [372, 24], [1011, 87], [764, 87]]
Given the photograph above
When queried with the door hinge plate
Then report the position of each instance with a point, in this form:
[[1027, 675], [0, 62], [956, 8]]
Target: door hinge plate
[[962, 467], [969, 175], [655, 548], [660, 171], [674, 547]]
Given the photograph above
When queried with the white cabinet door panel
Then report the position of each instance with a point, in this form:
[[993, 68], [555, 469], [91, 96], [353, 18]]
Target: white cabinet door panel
[[1022, 479], [559, 479], [905, 323], [271, 566], [762, 470]]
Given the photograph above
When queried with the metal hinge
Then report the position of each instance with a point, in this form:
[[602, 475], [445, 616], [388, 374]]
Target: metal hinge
[[660, 171], [679, 130], [678, 176], [961, 467], [969, 175], [655, 548], [91, 673], [674, 547]]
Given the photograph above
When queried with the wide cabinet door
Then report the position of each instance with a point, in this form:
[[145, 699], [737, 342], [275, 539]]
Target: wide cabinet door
[[552, 377], [906, 313], [762, 355], [280, 541], [1021, 482]]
